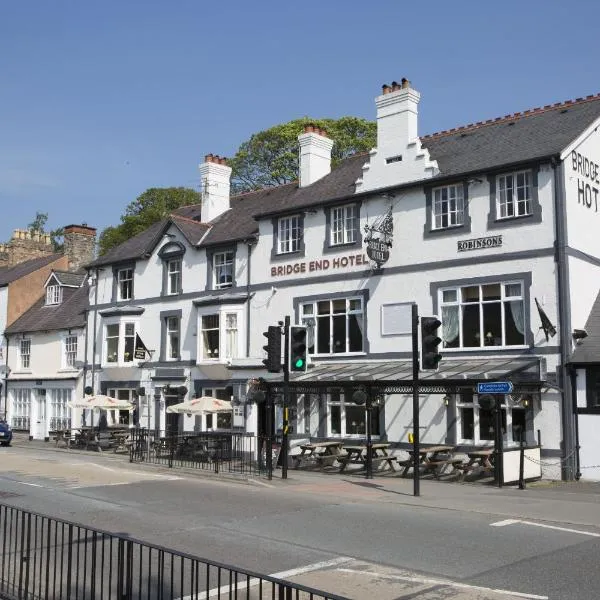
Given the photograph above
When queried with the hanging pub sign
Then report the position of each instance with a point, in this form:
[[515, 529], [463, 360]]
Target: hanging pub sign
[[140, 350], [379, 238]]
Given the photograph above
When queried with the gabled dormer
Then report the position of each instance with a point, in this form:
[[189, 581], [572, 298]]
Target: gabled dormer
[[57, 282]]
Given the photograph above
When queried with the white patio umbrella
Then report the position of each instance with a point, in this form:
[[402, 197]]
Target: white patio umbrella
[[101, 402], [200, 405]]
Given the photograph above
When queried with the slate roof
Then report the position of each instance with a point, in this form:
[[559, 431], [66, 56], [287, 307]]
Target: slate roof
[[68, 314], [69, 279], [10, 274], [522, 137], [588, 351]]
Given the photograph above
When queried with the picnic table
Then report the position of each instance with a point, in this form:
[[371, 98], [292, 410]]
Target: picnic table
[[433, 459], [325, 454], [358, 455], [480, 460]]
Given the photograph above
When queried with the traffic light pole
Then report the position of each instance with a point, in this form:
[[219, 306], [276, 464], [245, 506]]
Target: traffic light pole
[[415, 378], [286, 398]]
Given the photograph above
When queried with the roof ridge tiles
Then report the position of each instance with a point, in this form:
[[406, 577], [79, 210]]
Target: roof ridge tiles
[[517, 115], [194, 221]]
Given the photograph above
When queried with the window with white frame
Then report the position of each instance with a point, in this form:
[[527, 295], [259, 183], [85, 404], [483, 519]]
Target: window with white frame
[[119, 342], [448, 206], [220, 420], [223, 269], [220, 339], [173, 337], [289, 234], [476, 425], [120, 417], [125, 284], [53, 294], [70, 350], [25, 354], [174, 276], [334, 326], [344, 224], [60, 413], [514, 195], [21, 408], [479, 316], [347, 419]]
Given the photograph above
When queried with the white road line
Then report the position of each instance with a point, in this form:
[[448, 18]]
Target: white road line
[[428, 581], [25, 483], [544, 526], [242, 585]]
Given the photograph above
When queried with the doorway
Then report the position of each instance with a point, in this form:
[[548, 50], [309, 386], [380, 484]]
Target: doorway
[[39, 432], [171, 419]]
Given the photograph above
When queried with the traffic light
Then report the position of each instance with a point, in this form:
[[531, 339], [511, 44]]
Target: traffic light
[[273, 349], [297, 349], [430, 356]]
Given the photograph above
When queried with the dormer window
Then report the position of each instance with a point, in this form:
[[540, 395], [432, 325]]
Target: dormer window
[[53, 295]]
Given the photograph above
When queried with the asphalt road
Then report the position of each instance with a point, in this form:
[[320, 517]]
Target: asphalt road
[[363, 542]]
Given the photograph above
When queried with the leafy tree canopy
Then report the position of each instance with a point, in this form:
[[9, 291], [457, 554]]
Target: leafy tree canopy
[[38, 225], [270, 157], [148, 208]]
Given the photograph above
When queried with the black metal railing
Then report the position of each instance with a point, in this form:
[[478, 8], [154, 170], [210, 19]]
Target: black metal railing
[[46, 558], [231, 452]]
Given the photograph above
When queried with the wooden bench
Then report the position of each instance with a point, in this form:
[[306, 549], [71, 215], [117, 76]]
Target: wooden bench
[[64, 437], [437, 466], [382, 460], [466, 468]]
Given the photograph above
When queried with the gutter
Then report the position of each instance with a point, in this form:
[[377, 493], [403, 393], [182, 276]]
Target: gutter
[[568, 417]]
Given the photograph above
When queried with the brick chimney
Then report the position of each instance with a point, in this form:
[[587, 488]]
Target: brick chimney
[[315, 154], [79, 245], [215, 178]]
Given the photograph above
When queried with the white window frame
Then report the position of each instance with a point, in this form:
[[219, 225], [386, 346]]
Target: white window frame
[[310, 317], [223, 263], [216, 418], [21, 408], [118, 416], [471, 401], [173, 333], [128, 328], [60, 413], [335, 400], [447, 305], [289, 234], [514, 200], [344, 225], [53, 295], [229, 342], [125, 283], [25, 353], [448, 206], [174, 276], [70, 349]]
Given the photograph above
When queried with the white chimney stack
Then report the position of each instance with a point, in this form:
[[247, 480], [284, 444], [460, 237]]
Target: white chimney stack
[[315, 154], [397, 111], [215, 178]]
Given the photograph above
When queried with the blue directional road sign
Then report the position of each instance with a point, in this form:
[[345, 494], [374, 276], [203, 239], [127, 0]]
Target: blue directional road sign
[[495, 387]]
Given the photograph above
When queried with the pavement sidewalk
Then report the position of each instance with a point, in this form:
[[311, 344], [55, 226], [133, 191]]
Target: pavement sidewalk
[[568, 503]]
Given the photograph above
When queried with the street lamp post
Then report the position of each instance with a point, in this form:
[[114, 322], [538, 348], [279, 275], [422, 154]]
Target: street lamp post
[[360, 397]]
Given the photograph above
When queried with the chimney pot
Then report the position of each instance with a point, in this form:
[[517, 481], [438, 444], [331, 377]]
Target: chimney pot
[[405, 83], [386, 89], [223, 160], [309, 128]]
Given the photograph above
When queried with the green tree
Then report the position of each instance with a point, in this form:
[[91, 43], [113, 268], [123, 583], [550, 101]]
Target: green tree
[[148, 208], [38, 225], [270, 157]]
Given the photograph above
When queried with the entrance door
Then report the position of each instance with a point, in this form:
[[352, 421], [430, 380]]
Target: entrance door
[[172, 419], [39, 432]]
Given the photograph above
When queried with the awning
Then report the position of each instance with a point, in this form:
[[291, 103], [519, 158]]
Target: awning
[[395, 376]]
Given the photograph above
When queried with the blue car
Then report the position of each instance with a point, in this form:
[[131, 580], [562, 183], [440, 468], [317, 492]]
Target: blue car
[[5, 433]]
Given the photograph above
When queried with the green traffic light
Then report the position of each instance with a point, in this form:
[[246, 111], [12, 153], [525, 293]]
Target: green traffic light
[[299, 363]]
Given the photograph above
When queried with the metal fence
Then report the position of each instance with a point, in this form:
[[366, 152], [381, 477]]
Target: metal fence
[[231, 452], [46, 558]]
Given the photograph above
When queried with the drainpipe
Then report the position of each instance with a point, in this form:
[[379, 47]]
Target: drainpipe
[[95, 333], [6, 381], [249, 244], [564, 316]]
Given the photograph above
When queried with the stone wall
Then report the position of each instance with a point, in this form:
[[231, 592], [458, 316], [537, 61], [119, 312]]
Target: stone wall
[[79, 245], [25, 245]]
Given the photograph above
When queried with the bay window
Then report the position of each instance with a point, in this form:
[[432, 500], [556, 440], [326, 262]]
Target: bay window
[[334, 326], [478, 316], [119, 342], [219, 335]]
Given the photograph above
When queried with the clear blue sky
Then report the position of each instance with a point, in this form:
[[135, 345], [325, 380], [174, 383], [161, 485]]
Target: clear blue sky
[[101, 100]]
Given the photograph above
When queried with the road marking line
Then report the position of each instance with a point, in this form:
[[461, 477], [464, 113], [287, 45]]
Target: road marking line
[[428, 581], [25, 483], [544, 526], [242, 585]]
